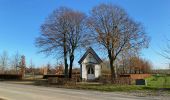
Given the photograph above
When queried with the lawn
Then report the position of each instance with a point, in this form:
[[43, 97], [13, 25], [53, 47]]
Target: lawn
[[154, 83], [112, 88], [159, 81]]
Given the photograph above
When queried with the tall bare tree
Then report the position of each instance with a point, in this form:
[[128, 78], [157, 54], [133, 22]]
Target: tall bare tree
[[77, 35], [64, 31], [116, 31], [53, 39]]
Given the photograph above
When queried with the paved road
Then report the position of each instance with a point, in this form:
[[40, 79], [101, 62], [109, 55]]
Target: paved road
[[28, 92]]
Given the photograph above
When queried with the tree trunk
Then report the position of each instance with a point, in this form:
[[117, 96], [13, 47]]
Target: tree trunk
[[112, 70], [66, 66], [115, 71], [135, 71], [71, 65], [113, 76], [130, 69], [16, 69], [65, 56]]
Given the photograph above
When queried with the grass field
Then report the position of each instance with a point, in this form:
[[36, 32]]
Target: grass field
[[159, 81]]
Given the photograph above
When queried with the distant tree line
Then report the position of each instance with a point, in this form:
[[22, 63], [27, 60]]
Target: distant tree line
[[16, 64], [135, 65], [11, 64], [132, 65]]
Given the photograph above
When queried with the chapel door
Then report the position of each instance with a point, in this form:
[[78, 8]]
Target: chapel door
[[90, 72]]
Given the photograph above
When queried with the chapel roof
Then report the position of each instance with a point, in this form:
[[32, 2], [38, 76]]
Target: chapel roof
[[91, 51]]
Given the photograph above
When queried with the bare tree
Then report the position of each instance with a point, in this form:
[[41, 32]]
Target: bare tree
[[126, 59], [165, 52], [116, 31], [139, 65], [54, 35], [15, 60], [77, 35], [22, 66], [59, 69], [32, 68], [63, 33], [49, 67], [4, 58]]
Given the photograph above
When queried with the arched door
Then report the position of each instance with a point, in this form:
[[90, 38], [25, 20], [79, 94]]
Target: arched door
[[90, 72]]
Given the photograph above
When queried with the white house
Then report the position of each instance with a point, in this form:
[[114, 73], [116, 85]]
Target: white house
[[90, 65]]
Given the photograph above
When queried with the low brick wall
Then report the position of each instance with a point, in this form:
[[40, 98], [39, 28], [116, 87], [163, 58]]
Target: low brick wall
[[136, 76], [139, 76]]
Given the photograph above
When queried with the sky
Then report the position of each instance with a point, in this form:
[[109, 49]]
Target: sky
[[20, 22]]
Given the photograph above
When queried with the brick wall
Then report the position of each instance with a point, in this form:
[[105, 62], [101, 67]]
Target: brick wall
[[139, 76]]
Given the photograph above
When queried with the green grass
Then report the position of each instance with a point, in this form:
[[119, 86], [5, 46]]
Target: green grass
[[154, 83], [159, 81], [131, 89], [113, 88]]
